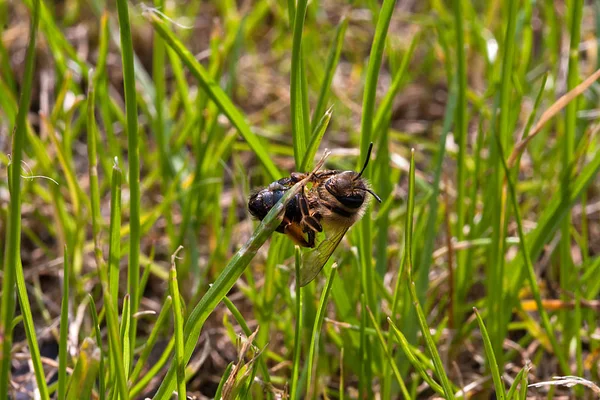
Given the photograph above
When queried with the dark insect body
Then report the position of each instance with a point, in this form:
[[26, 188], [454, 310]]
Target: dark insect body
[[331, 202]]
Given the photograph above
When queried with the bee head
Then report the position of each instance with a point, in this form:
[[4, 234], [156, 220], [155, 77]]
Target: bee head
[[349, 187]]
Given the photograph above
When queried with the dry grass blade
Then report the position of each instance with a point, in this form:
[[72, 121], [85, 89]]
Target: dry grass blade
[[233, 383], [551, 112], [568, 381]]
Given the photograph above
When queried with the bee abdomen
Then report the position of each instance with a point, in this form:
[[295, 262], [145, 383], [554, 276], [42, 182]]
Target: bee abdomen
[[262, 201]]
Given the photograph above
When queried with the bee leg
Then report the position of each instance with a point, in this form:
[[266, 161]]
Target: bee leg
[[294, 232], [308, 219]]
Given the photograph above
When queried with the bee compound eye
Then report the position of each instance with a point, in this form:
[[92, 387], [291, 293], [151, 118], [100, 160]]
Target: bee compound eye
[[354, 200]]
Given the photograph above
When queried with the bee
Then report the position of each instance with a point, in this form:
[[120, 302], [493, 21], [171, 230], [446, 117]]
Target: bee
[[328, 205]]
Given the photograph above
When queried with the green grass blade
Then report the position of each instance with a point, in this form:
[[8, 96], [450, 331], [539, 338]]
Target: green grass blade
[[125, 332], [157, 367], [417, 364], [114, 344], [85, 372], [294, 389], [489, 352], [431, 346], [315, 141], [93, 173], [161, 320], [216, 94], [64, 329], [461, 121], [32, 340], [13, 229], [114, 248], [300, 132], [101, 376], [178, 319], [568, 281], [512, 392], [389, 357], [133, 153], [375, 60], [533, 285], [386, 103], [332, 61], [316, 333], [224, 378], [224, 283], [366, 130]]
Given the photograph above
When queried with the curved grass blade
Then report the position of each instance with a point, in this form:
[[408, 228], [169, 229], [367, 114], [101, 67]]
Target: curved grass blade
[[216, 94], [12, 260], [332, 61], [418, 365], [163, 317], [391, 361]]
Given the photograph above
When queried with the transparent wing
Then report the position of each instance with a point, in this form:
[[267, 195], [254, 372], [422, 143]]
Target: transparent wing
[[313, 260]]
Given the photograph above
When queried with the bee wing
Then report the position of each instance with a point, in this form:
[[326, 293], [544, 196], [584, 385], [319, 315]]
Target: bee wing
[[313, 260]]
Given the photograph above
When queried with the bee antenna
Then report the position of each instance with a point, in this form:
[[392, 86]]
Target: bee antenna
[[366, 162], [372, 193]]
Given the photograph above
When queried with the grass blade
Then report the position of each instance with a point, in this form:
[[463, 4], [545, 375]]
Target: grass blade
[[418, 365], [332, 61], [489, 352], [133, 154], [161, 320], [300, 132], [437, 361], [216, 94], [13, 229], [64, 329], [294, 389], [315, 141], [84, 374], [225, 282], [316, 333], [391, 361], [114, 248], [95, 320], [178, 318]]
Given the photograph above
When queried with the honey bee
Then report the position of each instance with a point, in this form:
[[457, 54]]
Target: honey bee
[[328, 205]]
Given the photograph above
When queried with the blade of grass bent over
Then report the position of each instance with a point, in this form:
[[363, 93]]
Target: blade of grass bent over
[[13, 229], [216, 94], [389, 356], [219, 289]]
